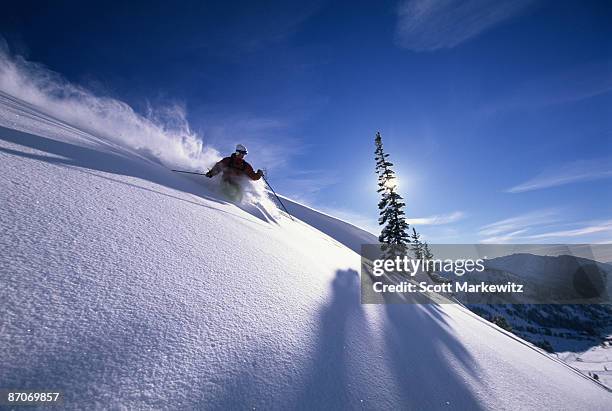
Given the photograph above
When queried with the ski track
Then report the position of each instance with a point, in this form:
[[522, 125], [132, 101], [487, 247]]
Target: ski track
[[130, 287]]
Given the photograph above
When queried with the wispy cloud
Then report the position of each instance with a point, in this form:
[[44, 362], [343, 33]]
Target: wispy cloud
[[504, 237], [591, 228], [439, 219], [576, 171], [425, 25], [544, 225], [512, 228], [577, 83]]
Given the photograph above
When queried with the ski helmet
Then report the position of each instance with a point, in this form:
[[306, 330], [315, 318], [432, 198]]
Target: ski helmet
[[241, 149]]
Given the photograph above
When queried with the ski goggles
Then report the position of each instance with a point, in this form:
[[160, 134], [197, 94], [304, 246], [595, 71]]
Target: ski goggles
[[242, 152]]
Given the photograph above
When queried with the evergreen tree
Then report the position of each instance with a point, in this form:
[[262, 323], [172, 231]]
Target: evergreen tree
[[391, 205], [501, 321], [416, 245], [427, 255]]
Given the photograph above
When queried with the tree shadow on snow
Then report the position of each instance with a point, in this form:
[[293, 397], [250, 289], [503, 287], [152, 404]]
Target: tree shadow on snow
[[416, 363], [430, 365], [427, 364]]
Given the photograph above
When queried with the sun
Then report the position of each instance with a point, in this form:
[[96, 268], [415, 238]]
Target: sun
[[392, 183]]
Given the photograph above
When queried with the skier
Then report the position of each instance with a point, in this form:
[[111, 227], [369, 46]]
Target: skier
[[233, 168]]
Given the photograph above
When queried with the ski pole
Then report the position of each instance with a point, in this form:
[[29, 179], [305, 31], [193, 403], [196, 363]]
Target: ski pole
[[279, 200], [189, 172]]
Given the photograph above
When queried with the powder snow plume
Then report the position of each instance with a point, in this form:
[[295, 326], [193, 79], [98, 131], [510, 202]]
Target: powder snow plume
[[162, 135]]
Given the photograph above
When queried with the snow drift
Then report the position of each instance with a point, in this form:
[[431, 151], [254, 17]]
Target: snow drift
[[128, 286]]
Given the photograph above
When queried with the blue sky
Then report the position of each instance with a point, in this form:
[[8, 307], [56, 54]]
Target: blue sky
[[497, 115]]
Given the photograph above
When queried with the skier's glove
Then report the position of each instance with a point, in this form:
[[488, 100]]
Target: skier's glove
[[209, 175], [260, 173]]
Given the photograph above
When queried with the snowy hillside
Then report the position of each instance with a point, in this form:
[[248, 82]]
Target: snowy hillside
[[596, 361], [574, 332], [128, 286], [343, 232]]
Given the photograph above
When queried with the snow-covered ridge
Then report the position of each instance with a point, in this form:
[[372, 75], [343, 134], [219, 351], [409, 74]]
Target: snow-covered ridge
[[344, 232], [129, 286]]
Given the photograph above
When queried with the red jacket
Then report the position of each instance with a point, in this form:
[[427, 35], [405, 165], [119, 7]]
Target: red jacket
[[233, 167]]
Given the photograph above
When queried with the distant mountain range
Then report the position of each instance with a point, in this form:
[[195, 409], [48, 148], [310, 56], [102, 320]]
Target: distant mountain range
[[554, 326]]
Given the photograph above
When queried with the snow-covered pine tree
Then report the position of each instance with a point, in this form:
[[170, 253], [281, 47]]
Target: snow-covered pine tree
[[391, 205], [416, 244], [427, 254]]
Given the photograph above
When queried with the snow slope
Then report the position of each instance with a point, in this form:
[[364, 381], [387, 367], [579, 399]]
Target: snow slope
[[596, 360], [343, 232], [129, 286]]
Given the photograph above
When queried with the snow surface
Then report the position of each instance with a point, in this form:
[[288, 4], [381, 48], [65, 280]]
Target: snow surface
[[345, 233], [596, 360], [132, 287]]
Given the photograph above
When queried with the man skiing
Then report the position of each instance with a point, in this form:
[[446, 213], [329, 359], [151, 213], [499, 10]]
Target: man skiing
[[233, 168]]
